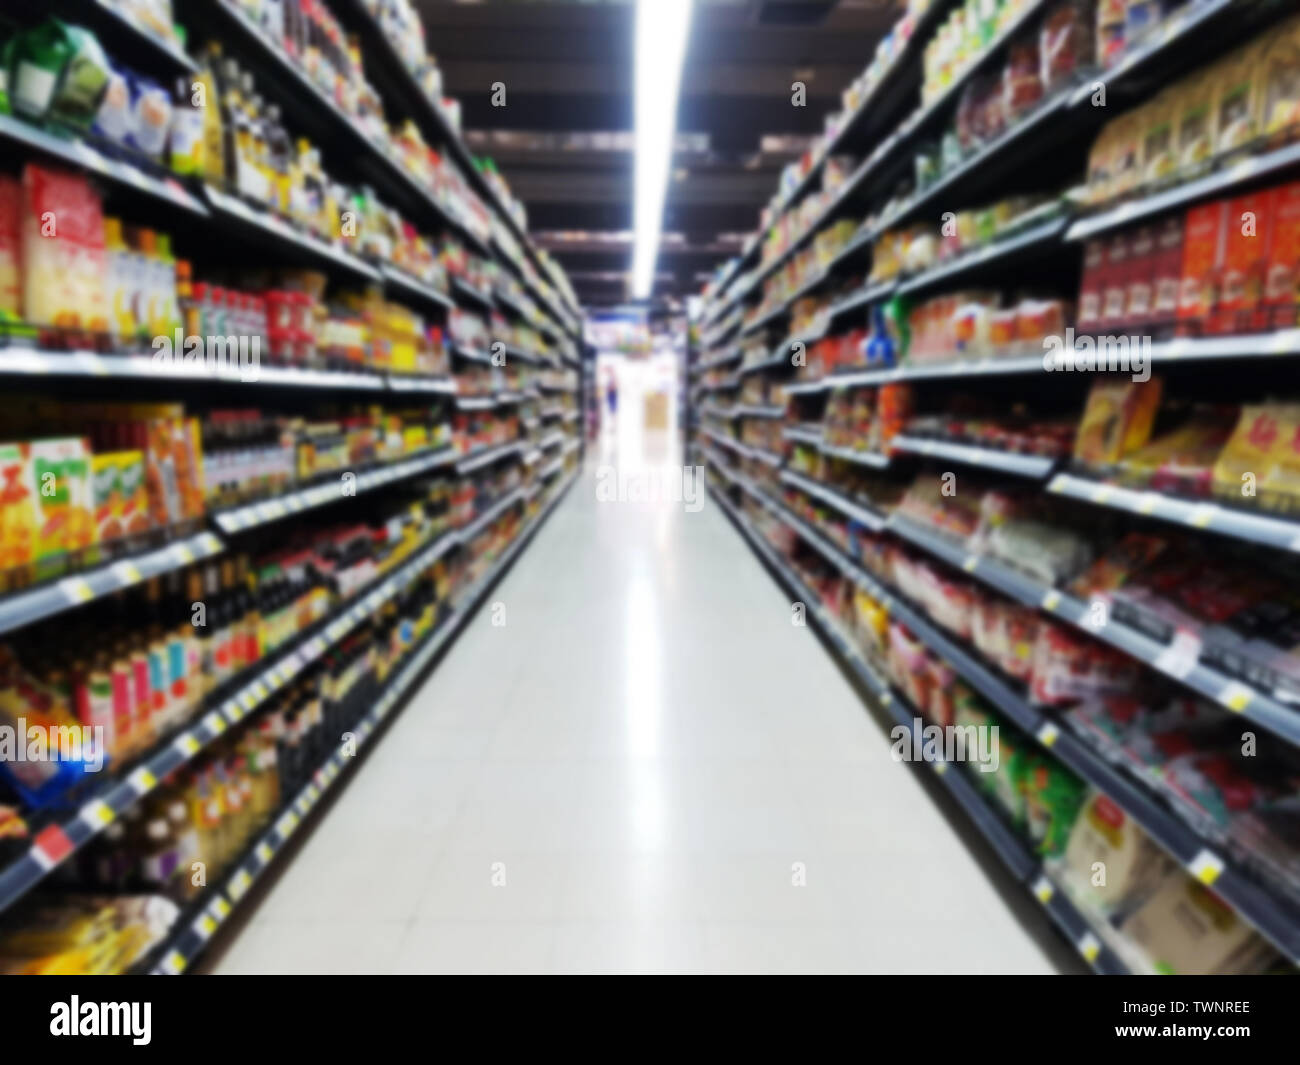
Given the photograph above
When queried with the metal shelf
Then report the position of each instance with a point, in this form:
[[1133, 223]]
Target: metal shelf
[[1257, 527], [1034, 467], [57, 841], [239, 519], [119, 175], [280, 234], [864, 516], [485, 456], [50, 598]]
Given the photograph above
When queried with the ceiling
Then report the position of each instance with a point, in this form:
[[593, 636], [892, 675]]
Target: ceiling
[[563, 138]]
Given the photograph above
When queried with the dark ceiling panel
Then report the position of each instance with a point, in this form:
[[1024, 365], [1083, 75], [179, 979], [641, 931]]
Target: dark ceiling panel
[[567, 65]]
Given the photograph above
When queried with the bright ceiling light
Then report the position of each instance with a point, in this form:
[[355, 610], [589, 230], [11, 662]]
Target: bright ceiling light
[[662, 27]]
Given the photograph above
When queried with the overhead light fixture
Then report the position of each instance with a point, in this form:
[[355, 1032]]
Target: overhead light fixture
[[662, 27]]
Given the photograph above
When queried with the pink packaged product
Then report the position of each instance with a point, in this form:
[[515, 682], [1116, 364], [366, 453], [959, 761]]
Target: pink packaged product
[[1068, 668]]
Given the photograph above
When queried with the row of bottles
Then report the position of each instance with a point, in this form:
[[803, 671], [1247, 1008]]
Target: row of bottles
[[247, 148], [141, 665], [194, 825]]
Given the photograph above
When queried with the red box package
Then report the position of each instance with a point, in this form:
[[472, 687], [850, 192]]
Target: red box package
[[1168, 271], [1203, 239], [1114, 296], [1282, 277], [1245, 258], [1090, 289], [1141, 277]]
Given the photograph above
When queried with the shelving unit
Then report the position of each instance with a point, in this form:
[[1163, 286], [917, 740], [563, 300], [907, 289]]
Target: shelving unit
[[1042, 247], [196, 212]]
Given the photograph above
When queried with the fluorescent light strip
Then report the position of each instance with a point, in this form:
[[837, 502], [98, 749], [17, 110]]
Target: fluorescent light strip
[[662, 27]]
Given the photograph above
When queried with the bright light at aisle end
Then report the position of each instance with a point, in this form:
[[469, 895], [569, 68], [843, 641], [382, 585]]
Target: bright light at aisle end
[[662, 27]]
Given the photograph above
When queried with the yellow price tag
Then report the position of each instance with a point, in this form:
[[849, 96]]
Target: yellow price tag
[[1051, 599], [206, 925], [77, 590], [97, 814], [127, 573], [239, 884], [1236, 697], [183, 554], [188, 745], [142, 780], [1206, 867], [1048, 733], [1043, 890], [222, 907], [263, 853]]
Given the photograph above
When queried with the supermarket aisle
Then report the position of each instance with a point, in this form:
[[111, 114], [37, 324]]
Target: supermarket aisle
[[623, 778]]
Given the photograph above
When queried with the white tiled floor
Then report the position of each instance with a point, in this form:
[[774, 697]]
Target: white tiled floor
[[622, 778]]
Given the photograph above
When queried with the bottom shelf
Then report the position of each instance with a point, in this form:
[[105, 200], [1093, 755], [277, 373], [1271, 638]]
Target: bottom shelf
[[191, 937], [1010, 848]]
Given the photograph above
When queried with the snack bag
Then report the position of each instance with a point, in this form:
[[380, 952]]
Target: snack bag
[[1159, 155], [1053, 796], [1195, 124], [1237, 100], [1280, 94], [1116, 420], [1103, 836], [1262, 434]]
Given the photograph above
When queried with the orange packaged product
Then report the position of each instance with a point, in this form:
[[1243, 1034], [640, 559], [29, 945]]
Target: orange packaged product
[[18, 516], [1203, 249], [1282, 274], [1247, 236], [1116, 420]]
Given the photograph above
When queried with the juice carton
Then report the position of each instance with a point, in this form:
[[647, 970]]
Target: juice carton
[[106, 499], [60, 485], [18, 516]]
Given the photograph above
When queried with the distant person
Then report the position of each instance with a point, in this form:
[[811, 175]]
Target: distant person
[[611, 398]]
